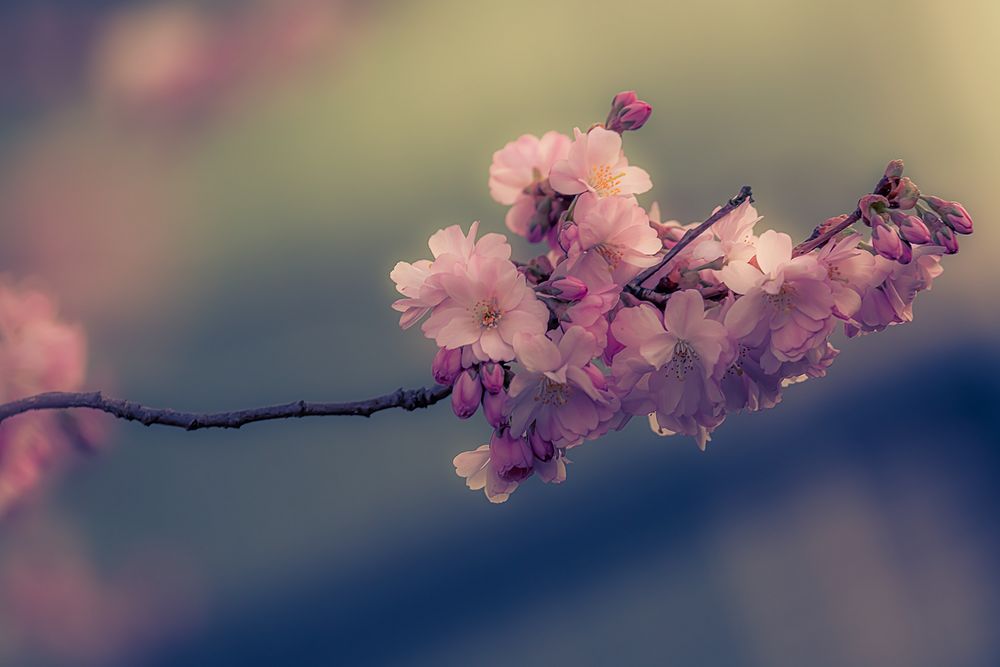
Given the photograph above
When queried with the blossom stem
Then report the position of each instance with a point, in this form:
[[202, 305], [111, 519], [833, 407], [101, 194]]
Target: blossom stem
[[407, 399], [744, 194], [813, 243]]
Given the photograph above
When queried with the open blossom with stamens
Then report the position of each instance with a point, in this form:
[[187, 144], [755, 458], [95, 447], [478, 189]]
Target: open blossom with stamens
[[612, 241], [596, 163], [452, 248], [672, 363], [486, 303], [557, 388], [786, 301], [849, 269], [524, 162]]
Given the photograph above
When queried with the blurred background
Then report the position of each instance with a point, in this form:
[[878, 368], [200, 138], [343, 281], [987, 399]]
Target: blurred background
[[217, 192]]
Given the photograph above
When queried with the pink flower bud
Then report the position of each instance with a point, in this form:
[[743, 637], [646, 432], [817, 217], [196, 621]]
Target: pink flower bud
[[511, 457], [886, 241], [911, 227], [953, 214], [492, 377], [904, 194], [493, 405], [569, 288], [941, 234], [894, 170], [905, 253], [540, 447], [872, 208], [628, 112], [466, 395], [447, 365]]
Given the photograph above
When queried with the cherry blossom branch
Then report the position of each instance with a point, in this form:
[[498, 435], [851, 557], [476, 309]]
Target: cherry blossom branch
[[744, 194], [407, 399], [644, 293]]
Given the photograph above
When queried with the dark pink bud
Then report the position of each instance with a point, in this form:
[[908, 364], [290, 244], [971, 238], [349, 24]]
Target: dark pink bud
[[905, 253], [628, 112], [511, 457], [905, 194], [941, 234], [911, 227], [492, 377], [466, 395], [568, 289], [886, 241], [953, 214], [894, 170], [493, 406], [447, 365]]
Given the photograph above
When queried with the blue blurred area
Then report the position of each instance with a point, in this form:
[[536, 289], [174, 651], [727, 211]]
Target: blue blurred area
[[624, 567]]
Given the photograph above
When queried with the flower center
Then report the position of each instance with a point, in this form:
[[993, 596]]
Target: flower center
[[685, 360], [611, 253], [604, 182], [488, 313], [782, 301], [552, 392]]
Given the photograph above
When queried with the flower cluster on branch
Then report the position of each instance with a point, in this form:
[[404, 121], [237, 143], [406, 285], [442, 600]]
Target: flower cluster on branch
[[624, 315]]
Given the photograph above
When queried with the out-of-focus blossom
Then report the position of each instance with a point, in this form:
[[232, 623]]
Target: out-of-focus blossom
[[38, 353], [597, 164], [889, 299]]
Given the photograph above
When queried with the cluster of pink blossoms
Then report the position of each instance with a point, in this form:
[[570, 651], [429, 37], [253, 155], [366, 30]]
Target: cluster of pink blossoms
[[37, 353], [627, 316]]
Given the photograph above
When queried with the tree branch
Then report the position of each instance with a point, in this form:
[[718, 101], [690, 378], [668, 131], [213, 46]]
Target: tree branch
[[744, 194], [407, 399]]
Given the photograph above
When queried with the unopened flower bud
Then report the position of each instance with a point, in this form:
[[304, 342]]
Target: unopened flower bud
[[953, 214], [493, 405], [511, 456], [894, 170], [872, 209], [905, 194], [911, 227], [540, 447], [447, 365], [466, 395], [941, 234], [628, 112], [492, 376], [568, 288], [886, 241], [905, 253]]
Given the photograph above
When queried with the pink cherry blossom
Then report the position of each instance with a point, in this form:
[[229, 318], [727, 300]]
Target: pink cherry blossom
[[486, 303], [480, 473], [672, 363], [524, 162], [613, 241], [731, 238], [452, 248], [889, 300], [849, 269], [557, 389], [38, 353], [596, 163], [786, 301]]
